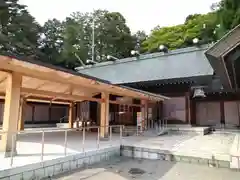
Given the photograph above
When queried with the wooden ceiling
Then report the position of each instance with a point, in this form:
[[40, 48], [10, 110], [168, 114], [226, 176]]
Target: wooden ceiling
[[42, 82]]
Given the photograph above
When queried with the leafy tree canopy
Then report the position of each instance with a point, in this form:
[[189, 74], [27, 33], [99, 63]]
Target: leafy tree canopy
[[73, 38], [64, 42], [19, 33], [228, 12], [207, 28], [198, 26]]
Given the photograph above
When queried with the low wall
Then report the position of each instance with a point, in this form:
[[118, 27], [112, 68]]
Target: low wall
[[157, 154], [50, 168]]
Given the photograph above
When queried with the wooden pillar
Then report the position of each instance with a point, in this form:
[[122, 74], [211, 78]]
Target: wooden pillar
[[187, 108], [50, 112], [22, 111], [193, 115], [11, 113], [77, 114], [71, 115], [98, 114], [144, 114], [33, 113], [104, 116], [222, 111]]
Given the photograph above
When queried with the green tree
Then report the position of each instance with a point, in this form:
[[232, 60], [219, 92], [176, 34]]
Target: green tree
[[139, 37], [202, 27], [76, 42], [19, 33], [111, 36], [198, 26], [228, 12], [52, 41], [114, 35], [172, 37]]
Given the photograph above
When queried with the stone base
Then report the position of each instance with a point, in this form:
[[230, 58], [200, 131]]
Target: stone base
[[8, 154], [104, 138]]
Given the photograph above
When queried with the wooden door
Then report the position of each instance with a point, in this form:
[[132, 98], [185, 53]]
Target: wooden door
[[208, 113], [175, 109]]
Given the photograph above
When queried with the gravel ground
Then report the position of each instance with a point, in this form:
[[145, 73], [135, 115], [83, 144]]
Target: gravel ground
[[128, 169]]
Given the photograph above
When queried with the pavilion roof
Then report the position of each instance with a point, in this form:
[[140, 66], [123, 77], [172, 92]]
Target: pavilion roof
[[43, 82]]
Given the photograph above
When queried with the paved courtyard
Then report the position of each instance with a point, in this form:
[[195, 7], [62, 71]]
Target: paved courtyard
[[120, 169], [217, 145], [29, 145]]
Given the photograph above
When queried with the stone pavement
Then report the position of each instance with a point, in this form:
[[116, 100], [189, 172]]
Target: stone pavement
[[151, 170]]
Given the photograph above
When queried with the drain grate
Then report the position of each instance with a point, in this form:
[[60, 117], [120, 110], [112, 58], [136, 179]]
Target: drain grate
[[136, 171]]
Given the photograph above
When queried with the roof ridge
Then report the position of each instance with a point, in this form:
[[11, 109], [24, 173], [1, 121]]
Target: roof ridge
[[146, 56]]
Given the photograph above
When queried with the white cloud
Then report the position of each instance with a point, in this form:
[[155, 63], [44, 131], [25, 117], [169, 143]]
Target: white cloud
[[140, 14]]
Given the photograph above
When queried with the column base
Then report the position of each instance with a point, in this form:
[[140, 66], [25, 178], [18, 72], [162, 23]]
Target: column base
[[7, 151], [8, 154], [104, 138]]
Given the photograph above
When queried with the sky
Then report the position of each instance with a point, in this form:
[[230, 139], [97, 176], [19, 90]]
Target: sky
[[139, 14]]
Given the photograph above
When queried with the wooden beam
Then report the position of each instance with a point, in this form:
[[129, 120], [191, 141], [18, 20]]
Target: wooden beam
[[48, 101], [59, 95], [41, 100], [52, 75], [3, 79], [122, 103], [39, 86], [69, 90]]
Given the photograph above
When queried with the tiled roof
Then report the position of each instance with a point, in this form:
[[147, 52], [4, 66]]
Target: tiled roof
[[181, 63]]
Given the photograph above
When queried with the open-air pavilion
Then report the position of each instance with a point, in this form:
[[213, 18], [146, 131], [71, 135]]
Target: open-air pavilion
[[24, 80]]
